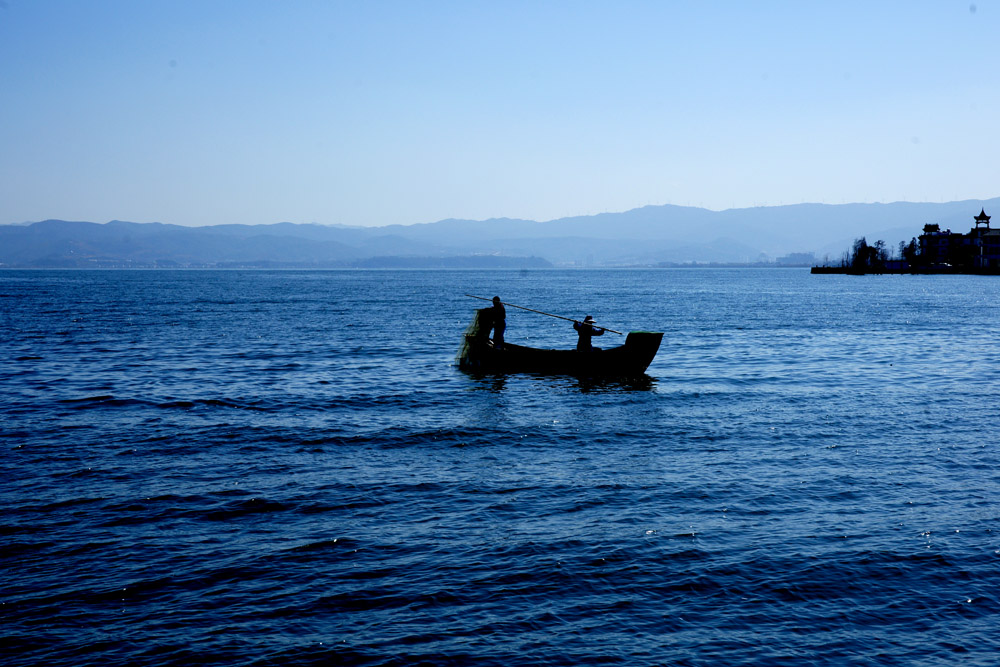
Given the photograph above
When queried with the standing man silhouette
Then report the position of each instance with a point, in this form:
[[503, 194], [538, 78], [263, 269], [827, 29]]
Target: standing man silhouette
[[499, 323]]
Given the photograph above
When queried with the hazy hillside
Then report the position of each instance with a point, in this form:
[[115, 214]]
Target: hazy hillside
[[645, 236]]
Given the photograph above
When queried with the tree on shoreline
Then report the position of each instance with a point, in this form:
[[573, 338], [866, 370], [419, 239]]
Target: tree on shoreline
[[910, 253], [864, 257]]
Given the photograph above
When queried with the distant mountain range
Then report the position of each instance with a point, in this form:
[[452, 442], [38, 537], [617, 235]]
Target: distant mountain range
[[648, 236]]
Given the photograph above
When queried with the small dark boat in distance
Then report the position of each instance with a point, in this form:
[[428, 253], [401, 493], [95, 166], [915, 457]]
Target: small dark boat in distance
[[628, 360]]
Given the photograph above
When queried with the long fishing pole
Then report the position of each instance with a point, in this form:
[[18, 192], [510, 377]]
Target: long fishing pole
[[540, 312]]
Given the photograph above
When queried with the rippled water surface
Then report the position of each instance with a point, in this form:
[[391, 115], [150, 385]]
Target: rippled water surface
[[286, 468]]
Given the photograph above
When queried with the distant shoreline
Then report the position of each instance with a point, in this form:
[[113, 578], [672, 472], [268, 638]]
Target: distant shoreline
[[943, 271], [402, 267]]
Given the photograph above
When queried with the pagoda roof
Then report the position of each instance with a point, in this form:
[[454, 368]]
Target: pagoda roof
[[982, 216]]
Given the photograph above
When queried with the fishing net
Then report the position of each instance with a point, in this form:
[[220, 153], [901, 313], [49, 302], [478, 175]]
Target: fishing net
[[479, 329]]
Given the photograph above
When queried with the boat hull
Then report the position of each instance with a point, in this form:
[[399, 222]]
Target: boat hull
[[628, 360]]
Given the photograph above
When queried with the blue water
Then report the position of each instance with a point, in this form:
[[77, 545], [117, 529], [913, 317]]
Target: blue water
[[286, 468]]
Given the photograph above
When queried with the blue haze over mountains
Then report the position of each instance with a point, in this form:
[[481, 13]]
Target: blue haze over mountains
[[644, 236]]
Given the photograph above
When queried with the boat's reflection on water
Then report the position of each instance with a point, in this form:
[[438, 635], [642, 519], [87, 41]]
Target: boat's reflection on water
[[499, 382], [599, 385]]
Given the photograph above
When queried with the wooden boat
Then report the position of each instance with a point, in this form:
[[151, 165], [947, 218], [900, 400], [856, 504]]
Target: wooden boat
[[629, 360]]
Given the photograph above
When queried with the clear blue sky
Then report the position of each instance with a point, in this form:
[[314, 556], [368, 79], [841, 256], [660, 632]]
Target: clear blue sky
[[372, 113]]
